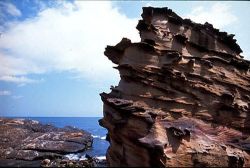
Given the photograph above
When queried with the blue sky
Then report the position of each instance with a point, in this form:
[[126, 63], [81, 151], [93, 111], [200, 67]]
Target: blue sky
[[51, 52]]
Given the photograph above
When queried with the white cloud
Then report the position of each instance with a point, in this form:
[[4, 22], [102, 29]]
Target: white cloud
[[9, 93], [5, 93], [246, 54], [18, 66], [219, 15], [17, 97], [148, 4], [68, 37], [9, 8], [21, 80]]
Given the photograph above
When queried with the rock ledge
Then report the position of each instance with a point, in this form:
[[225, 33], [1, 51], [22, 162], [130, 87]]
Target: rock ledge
[[29, 140]]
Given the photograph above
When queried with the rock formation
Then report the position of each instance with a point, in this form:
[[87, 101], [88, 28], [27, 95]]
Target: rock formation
[[183, 98], [25, 142]]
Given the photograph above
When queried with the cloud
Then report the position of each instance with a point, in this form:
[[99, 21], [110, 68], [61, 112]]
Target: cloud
[[148, 4], [21, 80], [66, 37], [10, 9], [9, 93], [17, 97], [246, 54], [5, 93], [14, 70], [219, 15]]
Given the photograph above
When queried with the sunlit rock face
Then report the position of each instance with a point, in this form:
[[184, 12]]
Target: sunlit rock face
[[183, 98]]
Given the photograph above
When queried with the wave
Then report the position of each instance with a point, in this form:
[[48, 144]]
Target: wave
[[99, 137], [72, 156], [101, 157], [78, 157]]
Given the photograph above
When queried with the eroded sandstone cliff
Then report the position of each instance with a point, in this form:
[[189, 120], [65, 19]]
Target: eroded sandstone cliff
[[183, 98]]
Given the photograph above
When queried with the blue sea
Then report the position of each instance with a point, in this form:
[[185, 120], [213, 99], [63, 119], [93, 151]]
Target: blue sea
[[89, 124]]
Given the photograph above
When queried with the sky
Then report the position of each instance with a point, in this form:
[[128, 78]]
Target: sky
[[51, 52]]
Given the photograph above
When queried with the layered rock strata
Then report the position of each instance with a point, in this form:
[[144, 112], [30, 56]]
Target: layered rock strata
[[183, 98], [24, 142]]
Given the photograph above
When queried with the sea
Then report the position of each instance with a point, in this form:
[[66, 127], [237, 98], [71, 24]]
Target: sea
[[90, 124]]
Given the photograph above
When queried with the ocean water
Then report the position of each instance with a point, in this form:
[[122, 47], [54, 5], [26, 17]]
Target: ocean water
[[89, 124]]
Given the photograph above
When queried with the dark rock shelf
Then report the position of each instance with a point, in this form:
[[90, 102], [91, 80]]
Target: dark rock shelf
[[27, 142]]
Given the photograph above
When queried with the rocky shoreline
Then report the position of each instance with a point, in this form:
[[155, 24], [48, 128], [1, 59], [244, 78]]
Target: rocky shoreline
[[87, 161], [56, 162], [28, 143]]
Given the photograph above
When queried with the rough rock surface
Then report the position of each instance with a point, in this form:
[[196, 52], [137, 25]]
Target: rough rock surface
[[183, 98], [87, 162], [28, 140]]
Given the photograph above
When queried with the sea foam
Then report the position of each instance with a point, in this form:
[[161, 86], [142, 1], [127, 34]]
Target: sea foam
[[99, 137]]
